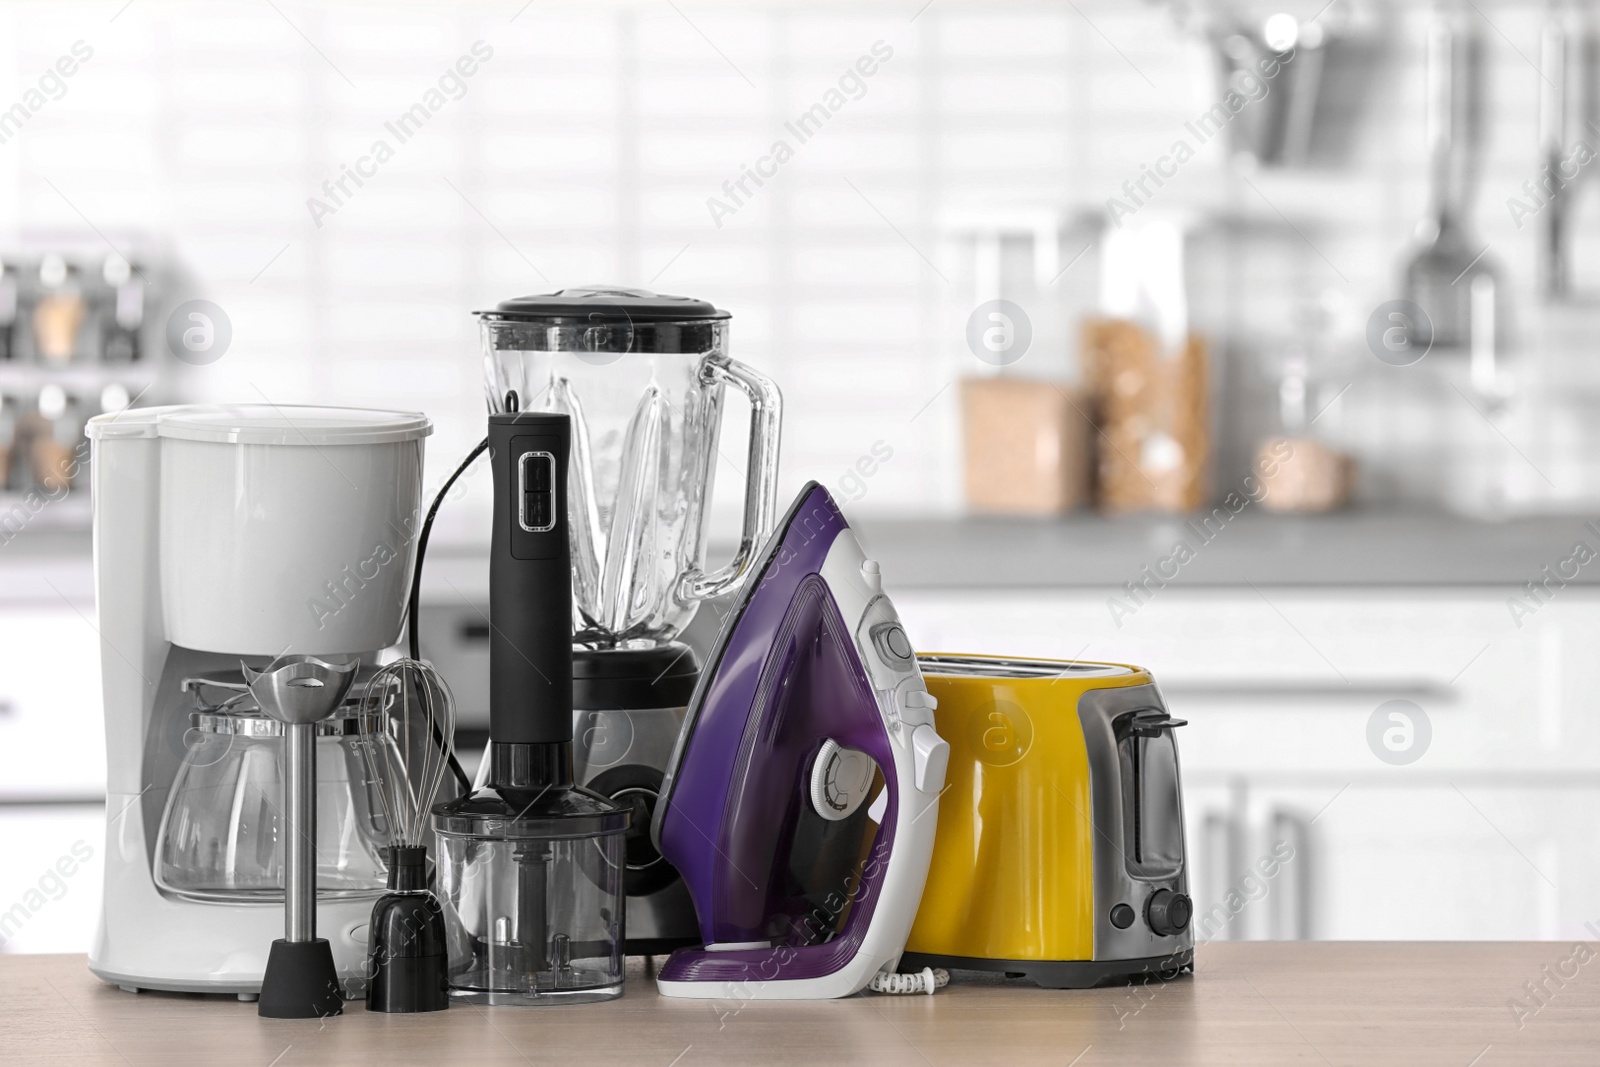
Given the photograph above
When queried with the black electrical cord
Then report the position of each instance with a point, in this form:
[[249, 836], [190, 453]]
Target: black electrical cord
[[416, 592]]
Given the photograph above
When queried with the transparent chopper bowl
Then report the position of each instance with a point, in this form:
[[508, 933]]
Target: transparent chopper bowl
[[222, 832], [534, 906], [645, 402]]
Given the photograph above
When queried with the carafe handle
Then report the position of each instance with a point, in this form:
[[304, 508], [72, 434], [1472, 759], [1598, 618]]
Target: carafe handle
[[761, 476]]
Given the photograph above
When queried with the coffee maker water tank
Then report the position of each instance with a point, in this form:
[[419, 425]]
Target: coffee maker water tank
[[288, 529]]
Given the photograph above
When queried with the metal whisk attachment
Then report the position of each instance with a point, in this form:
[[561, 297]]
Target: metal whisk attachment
[[408, 722], [407, 719]]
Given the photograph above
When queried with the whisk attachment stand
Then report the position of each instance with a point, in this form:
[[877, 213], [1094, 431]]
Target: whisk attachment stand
[[409, 713], [409, 962]]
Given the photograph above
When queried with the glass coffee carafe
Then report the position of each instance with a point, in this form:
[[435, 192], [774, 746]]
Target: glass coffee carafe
[[641, 376], [222, 834]]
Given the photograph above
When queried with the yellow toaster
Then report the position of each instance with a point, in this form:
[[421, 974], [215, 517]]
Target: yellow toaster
[[1060, 846]]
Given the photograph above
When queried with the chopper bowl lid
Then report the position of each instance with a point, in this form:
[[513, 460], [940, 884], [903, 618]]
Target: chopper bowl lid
[[597, 305], [511, 814], [280, 424]]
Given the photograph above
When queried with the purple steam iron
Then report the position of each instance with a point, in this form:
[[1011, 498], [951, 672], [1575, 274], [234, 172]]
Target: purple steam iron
[[801, 801]]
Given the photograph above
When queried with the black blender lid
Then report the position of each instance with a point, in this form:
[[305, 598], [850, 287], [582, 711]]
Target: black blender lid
[[599, 304], [662, 676]]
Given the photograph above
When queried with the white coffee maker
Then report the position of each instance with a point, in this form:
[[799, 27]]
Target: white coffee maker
[[225, 534]]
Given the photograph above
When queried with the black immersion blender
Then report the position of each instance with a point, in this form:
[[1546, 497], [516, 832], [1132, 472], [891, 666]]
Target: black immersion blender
[[530, 857]]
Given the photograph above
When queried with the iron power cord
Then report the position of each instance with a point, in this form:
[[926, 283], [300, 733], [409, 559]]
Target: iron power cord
[[924, 981]]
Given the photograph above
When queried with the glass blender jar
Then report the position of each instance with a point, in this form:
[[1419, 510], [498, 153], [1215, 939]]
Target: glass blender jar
[[642, 377]]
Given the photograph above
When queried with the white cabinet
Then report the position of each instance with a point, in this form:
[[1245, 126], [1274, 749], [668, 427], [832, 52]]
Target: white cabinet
[[1486, 833], [52, 877], [1469, 858], [52, 735], [1452, 861], [52, 772]]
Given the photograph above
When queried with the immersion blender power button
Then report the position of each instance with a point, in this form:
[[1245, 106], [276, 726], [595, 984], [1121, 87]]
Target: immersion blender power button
[[536, 473]]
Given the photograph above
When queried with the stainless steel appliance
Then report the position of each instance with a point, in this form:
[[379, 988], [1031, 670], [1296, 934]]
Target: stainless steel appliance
[[630, 704]]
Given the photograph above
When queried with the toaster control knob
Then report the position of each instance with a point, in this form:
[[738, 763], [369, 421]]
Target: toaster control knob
[[1167, 912], [840, 780]]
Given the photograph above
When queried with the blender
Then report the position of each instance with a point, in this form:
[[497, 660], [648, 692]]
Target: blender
[[301, 980], [530, 862], [641, 377]]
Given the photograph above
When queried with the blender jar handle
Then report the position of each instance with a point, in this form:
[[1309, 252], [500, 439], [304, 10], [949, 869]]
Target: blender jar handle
[[761, 477]]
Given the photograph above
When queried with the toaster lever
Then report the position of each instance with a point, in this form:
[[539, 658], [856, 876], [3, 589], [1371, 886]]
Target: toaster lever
[[1147, 722]]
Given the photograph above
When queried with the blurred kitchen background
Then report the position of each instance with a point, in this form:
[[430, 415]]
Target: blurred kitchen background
[[1243, 328]]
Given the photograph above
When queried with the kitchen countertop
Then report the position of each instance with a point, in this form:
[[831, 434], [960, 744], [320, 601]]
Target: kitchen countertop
[[1267, 1003], [1351, 548]]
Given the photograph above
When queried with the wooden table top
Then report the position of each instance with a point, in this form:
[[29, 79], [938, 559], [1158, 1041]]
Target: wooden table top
[[1446, 1003]]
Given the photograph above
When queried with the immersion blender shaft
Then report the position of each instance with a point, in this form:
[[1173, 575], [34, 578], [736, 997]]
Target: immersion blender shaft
[[300, 817]]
